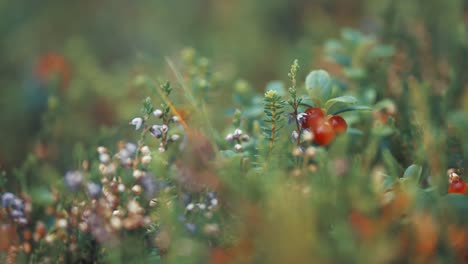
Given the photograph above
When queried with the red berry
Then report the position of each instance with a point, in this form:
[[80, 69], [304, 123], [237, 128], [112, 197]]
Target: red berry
[[323, 133], [457, 187], [338, 124], [314, 116], [51, 65]]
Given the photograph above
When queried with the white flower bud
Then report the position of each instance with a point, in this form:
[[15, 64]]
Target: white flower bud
[[294, 135], [83, 227], [301, 116], [127, 162], [136, 189], [104, 158], [164, 128], [116, 213], [137, 122], [137, 174], [62, 223], [238, 147], [237, 133], [145, 150], [175, 119], [230, 137], [297, 151], [202, 206], [161, 149], [308, 136], [175, 137], [116, 223], [190, 207], [121, 187], [214, 202], [101, 150], [134, 207], [245, 138], [158, 113], [145, 160], [153, 203], [311, 151], [155, 131]]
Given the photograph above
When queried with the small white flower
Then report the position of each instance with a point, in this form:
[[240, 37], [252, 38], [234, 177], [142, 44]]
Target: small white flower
[[190, 207], [238, 147], [294, 135], [245, 138], [136, 189], [104, 158], [175, 119], [134, 207], [155, 131], [127, 162], [131, 148], [153, 203], [175, 137], [116, 223], [311, 151], [230, 137], [102, 168], [164, 128], [301, 117], [145, 160], [307, 135], [145, 150], [158, 112], [101, 150], [137, 174], [161, 149], [297, 152], [237, 133], [121, 187], [202, 206], [62, 223], [137, 122], [116, 213], [214, 202]]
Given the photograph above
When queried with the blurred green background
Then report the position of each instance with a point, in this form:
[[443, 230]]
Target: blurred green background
[[105, 44]]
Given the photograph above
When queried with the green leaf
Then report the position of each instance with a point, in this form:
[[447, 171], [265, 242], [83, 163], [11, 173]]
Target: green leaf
[[353, 108], [413, 173], [391, 164], [318, 85], [346, 99], [355, 73], [382, 51]]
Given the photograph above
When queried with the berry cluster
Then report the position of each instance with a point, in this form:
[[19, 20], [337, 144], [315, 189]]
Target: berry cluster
[[456, 185], [323, 127]]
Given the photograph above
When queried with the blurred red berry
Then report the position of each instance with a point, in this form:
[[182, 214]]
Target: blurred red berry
[[457, 187], [314, 116], [323, 133], [53, 65], [338, 123]]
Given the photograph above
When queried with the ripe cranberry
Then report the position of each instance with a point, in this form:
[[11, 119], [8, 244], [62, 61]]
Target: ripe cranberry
[[323, 133], [52, 65], [338, 124], [457, 187], [314, 116]]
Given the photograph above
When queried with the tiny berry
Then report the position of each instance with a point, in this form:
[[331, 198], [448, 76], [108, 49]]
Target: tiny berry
[[314, 116], [338, 123], [324, 134], [457, 187]]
